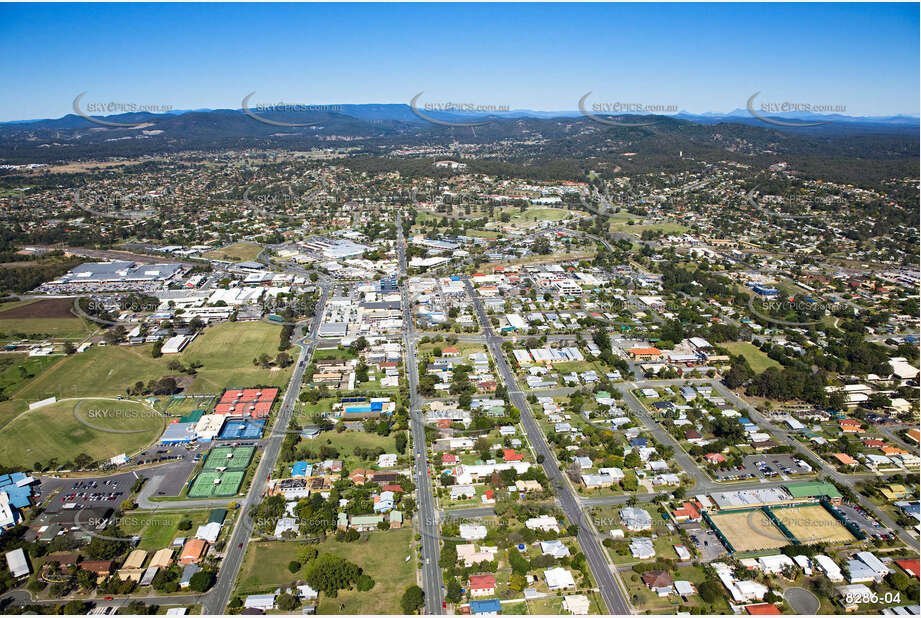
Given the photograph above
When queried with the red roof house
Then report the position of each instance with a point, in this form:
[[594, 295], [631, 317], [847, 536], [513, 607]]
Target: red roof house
[[762, 609], [482, 585]]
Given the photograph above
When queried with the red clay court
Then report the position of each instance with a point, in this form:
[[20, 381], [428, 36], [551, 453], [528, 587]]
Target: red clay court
[[253, 402]]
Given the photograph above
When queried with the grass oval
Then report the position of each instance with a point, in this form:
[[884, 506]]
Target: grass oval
[[101, 428]]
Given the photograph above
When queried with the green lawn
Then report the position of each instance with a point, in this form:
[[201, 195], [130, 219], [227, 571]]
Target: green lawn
[[334, 354], [158, 529], [237, 252], [757, 359], [665, 228], [304, 411], [348, 440], [55, 431], [226, 351], [382, 555], [464, 348], [16, 370]]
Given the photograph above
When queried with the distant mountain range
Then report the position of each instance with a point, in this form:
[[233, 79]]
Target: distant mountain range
[[872, 147], [399, 112]]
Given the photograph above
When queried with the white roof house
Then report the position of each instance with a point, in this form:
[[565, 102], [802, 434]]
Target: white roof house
[[642, 548], [635, 519], [576, 604], [829, 567], [209, 532], [260, 601], [684, 588], [555, 548], [741, 591], [472, 532], [16, 561], [774, 564], [544, 522], [874, 563], [559, 579]]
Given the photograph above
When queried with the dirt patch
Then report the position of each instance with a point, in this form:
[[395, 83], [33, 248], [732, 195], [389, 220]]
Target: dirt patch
[[183, 381], [50, 308]]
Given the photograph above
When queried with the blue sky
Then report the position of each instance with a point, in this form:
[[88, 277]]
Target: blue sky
[[697, 57]]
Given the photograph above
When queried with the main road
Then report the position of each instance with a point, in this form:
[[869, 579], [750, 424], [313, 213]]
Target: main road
[[432, 580], [217, 598], [610, 589]]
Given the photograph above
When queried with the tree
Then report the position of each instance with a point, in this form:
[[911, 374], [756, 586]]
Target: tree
[[401, 443], [329, 573], [106, 549], [287, 602], [518, 562], [632, 460], [365, 583], [73, 608], [294, 566], [453, 594], [201, 581], [899, 581], [710, 591], [82, 460], [283, 359], [413, 600]]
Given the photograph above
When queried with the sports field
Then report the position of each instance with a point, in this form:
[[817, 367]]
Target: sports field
[[99, 428], [749, 530], [228, 457], [539, 214], [205, 486], [813, 524]]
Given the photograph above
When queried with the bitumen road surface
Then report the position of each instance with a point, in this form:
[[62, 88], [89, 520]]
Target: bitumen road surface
[[432, 580], [218, 597], [611, 591]]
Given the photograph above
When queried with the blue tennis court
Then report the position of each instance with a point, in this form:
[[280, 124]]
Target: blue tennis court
[[242, 429]]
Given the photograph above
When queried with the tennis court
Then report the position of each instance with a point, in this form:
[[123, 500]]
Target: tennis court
[[229, 458], [217, 484], [242, 429]]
